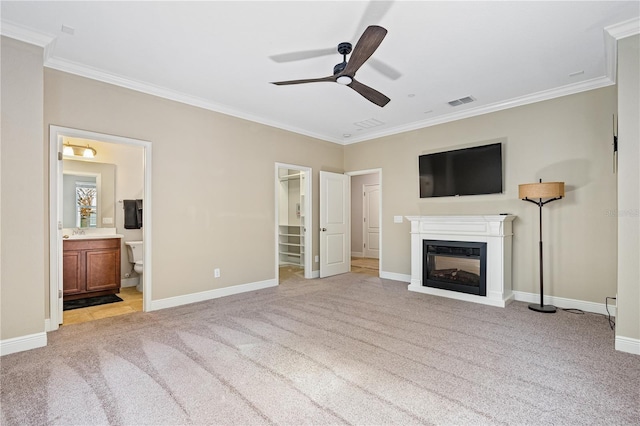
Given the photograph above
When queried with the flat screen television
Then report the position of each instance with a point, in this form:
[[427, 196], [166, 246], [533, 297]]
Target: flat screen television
[[469, 171]]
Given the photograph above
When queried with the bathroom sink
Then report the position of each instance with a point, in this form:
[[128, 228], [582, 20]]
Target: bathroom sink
[[91, 236]]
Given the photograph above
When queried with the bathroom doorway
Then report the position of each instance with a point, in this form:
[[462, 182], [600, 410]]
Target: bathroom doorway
[[293, 222], [123, 169]]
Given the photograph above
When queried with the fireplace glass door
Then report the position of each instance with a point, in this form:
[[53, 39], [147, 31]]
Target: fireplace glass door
[[455, 265]]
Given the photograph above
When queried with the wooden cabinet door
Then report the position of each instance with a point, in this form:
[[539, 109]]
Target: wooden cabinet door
[[103, 269], [73, 272]]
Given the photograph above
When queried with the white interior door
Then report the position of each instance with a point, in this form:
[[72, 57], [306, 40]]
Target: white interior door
[[335, 237], [371, 221]]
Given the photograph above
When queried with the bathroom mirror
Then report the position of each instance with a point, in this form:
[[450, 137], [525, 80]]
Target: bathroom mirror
[[88, 194]]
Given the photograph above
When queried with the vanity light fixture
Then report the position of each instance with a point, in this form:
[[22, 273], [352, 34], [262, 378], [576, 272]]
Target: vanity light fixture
[[79, 151]]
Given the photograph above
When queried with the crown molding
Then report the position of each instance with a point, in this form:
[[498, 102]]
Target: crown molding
[[612, 34], [624, 29], [570, 89], [27, 35], [150, 89], [99, 75]]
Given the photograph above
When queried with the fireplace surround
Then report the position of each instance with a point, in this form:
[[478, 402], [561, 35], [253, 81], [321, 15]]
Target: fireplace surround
[[492, 231]]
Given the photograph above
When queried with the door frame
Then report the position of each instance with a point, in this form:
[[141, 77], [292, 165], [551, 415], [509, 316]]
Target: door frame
[[379, 172], [308, 246], [56, 135]]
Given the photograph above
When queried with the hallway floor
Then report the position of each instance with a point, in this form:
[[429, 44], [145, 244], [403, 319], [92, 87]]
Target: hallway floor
[[365, 265]]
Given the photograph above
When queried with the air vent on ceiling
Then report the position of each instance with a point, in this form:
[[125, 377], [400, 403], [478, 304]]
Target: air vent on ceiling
[[367, 124], [461, 101]]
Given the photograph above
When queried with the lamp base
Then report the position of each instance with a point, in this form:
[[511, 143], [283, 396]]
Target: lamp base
[[547, 309]]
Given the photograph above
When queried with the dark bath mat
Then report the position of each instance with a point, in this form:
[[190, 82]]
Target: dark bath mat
[[90, 301]]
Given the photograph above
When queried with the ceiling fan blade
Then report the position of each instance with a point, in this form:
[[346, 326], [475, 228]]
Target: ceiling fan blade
[[373, 14], [308, 80], [369, 93], [304, 54], [384, 68], [368, 43]]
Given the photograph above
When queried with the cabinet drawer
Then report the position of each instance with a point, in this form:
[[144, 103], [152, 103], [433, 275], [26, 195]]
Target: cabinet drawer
[[91, 244]]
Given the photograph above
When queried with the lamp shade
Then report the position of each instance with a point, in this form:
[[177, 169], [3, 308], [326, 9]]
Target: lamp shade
[[541, 190]]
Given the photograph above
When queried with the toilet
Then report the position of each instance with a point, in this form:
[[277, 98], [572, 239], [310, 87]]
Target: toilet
[[135, 249]]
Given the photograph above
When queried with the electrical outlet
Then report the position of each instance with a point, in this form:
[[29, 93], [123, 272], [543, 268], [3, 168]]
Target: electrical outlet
[[216, 273], [107, 221], [317, 259]]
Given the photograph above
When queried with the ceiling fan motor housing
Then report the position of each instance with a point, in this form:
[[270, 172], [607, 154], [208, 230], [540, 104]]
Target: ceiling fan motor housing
[[344, 48]]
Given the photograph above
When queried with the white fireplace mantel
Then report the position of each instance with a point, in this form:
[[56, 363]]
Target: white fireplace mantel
[[495, 230]]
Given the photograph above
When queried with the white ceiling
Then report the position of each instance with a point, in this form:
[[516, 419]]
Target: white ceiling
[[217, 55]]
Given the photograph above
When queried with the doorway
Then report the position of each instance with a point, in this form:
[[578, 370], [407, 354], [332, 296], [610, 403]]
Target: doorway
[[106, 206], [366, 224], [293, 222]]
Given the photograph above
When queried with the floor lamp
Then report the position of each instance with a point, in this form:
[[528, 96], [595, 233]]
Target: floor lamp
[[550, 191]]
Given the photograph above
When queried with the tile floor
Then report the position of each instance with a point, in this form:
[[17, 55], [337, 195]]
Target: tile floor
[[131, 302]]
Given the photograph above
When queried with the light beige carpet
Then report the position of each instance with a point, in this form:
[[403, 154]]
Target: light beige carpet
[[351, 349]]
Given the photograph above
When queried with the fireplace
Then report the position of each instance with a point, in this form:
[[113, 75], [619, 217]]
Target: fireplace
[[455, 265], [472, 236]]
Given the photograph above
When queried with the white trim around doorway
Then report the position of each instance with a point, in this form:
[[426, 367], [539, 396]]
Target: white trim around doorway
[[56, 134], [379, 173], [307, 208]]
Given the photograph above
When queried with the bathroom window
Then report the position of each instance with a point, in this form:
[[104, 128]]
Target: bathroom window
[[86, 205]]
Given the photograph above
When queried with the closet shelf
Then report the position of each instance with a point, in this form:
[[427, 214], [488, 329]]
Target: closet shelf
[[291, 176], [290, 254]]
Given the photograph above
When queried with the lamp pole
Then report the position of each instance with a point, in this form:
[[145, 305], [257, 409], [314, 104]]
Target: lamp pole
[[541, 307]]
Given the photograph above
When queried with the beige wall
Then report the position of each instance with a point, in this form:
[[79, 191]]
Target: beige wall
[[213, 180], [566, 139], [628, 320], [23, 212]]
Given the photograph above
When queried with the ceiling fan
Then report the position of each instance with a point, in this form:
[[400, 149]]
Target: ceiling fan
[[344, 72], [374, 13]]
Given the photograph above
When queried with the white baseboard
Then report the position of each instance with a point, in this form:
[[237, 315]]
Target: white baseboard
[[315, 274], [561, 302], [627, 344], [23, 343], [129, 282], [395, 276], [357, 254], [171, 302]]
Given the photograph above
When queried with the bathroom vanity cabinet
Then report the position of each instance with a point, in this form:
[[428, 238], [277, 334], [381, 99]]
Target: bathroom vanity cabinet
[[91, 267]]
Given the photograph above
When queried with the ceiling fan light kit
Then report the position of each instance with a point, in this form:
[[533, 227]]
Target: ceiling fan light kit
[[344, 72]]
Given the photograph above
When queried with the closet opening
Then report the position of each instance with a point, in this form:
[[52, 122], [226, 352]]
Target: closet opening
[[293, 222]]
